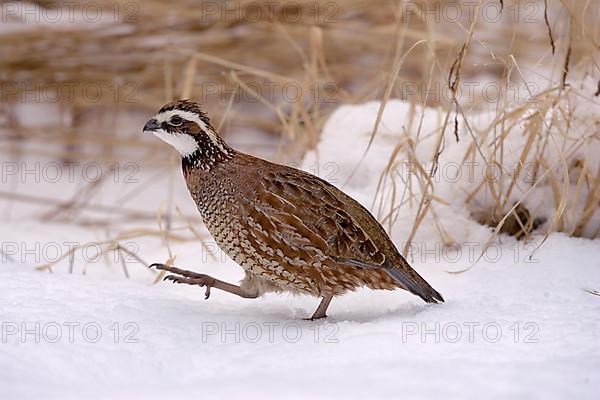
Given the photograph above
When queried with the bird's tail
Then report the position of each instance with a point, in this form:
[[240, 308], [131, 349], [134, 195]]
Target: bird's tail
[[414, 283]]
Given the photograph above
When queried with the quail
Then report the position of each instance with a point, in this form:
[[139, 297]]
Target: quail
[[289, 230]]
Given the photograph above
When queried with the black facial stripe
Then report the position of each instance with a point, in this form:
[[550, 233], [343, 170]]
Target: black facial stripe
[[166, 127], [170, 128], [186, 126]]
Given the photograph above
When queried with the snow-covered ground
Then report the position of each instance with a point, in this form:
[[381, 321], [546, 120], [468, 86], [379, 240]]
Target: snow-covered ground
[[518, 324], [507, 330]]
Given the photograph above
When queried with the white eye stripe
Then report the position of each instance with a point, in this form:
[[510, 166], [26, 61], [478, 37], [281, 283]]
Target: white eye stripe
[[190, 116]]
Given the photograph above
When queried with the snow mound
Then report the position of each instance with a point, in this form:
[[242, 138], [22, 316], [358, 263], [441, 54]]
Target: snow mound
[[483, 172], [507, 330]]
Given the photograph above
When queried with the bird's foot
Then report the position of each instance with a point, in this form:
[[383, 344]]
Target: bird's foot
[[187, 277], [315, 317], [321, 311], [203, 281]]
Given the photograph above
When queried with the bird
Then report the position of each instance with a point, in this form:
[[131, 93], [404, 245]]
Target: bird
[[290, 231]]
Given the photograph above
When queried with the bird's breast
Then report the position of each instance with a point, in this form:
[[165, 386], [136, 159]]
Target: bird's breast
[[220, 212]]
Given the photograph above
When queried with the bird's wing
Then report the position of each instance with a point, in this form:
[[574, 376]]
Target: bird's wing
[[299, 220], [302, 211], [310, 222]]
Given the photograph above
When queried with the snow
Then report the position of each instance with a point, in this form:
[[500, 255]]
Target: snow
[[522, 322], [461, 170], [374, 344], [519, 323]]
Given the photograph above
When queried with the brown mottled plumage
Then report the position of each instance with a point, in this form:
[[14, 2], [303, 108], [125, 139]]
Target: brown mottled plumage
[[289, 230]]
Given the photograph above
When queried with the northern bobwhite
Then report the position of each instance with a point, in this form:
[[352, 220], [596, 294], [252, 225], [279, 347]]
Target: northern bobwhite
[[289, 230]]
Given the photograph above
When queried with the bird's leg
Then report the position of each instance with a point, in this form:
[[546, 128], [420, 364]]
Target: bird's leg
[[202, 280], [321, 311]]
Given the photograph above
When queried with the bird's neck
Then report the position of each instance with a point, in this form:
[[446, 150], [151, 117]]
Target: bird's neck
[[209, 154]]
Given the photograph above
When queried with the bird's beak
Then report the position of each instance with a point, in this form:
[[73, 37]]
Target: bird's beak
[[151, 125]]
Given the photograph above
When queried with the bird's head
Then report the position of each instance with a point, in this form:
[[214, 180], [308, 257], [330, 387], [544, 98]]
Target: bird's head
[[187, 128]]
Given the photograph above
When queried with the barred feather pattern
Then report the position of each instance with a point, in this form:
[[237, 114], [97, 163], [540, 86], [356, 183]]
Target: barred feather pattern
[[292, 231]]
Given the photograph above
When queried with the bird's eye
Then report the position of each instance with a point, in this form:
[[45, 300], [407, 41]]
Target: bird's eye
[[176, 121]]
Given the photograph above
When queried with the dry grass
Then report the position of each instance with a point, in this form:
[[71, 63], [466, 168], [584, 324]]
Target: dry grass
[[356, 51], [555, 125], [166, 51]]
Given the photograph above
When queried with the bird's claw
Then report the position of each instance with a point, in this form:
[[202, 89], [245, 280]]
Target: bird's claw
[[205, 281], [174, 278]]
